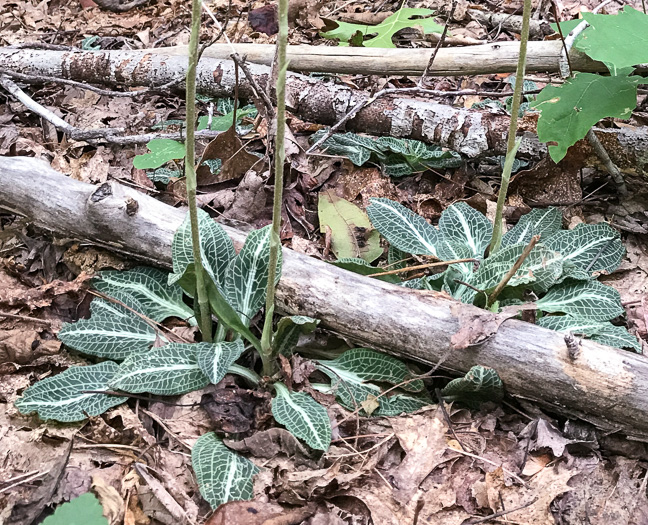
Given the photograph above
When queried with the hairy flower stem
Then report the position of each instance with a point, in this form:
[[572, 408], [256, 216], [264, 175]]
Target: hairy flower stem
[[267, 358], [205, 323], [511, 147]]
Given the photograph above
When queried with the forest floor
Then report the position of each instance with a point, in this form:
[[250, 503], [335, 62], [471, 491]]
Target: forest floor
[[505, 463]]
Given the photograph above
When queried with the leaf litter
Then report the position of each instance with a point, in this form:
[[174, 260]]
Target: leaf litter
[[428, 467]]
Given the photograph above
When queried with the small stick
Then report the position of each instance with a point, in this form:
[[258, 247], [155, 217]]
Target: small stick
[[439, 45], [500, 286], [422, 266], [502, 513], [25, 318]]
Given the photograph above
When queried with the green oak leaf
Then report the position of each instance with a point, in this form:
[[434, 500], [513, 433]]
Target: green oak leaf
[[161, 152], [401, 19]]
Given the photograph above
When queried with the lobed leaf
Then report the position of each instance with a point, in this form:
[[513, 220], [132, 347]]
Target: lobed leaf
[[351, 232], [82, 510], [161, 152], [619, 41], [401, 19]]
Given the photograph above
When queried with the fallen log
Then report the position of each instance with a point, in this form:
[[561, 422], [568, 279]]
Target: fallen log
[[602, 385], [498, 57], [470, 132]]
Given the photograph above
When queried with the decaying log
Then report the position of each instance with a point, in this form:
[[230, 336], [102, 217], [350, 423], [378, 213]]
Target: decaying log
[[500, 57], [472, 133], [605, 386]]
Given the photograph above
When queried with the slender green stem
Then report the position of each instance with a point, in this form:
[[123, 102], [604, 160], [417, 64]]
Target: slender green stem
[[279, 158], [511, 147], [190, 174]]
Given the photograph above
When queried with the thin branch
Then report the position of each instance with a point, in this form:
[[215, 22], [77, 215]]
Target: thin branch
[[502, 513], [422, 267], [502, 284], [37, 79], [439, 45]]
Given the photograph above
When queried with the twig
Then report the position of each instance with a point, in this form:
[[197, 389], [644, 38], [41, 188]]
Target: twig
[[423, 266], [439, 45], [34, 79], [25, 318], [610, 166], [562, 37], [258, 90], [31, 104], [485, 460], [500, 286], [446, 416], [502, 513]]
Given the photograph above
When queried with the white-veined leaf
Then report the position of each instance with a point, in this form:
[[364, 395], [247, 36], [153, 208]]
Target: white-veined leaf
[[246, 278], [480, 384], [304, 417], [113, 332], [351, 393], [369, 365], [583, 299], [429, 282], [541, 268], [215, 359], [167, 371], [216, 249], [62, 397], [222, 475], [543, 222], [460, 224], [602, 331], [592, 248], [403, 228], [149, 287], [288, 331]]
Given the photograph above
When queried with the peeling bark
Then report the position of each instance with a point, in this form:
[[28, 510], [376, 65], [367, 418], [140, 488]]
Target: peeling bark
[[602, 385]]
